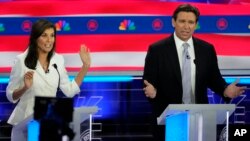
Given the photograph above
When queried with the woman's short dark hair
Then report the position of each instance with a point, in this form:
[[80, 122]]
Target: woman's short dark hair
[[186, 8], [37, 29]]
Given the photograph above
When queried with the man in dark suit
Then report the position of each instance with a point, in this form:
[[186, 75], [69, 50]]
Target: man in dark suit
[[164, 68]]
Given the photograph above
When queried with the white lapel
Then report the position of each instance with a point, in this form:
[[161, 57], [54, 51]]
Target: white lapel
[[51, 78]]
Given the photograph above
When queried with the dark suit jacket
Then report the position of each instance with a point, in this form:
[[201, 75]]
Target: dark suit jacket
[[163, 71]]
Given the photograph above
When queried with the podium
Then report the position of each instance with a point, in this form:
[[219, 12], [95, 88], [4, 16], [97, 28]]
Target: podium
[[195, 122], [82, 123]]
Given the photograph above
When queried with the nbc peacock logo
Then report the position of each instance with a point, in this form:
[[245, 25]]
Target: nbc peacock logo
[[198, 26], [2, 29], [127, 25], [62, 25]]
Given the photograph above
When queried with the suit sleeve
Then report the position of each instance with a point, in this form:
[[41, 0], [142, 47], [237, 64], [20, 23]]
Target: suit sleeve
[[150, 67], [216, 81]]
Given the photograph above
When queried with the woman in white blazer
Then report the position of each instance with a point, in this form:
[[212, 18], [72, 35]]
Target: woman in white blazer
[[39, 71]]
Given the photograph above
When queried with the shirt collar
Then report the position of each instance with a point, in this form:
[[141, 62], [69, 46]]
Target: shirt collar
[[179, 42]]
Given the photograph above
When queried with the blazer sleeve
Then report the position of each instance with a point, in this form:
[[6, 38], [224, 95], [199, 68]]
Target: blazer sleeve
[[16, 79], [69, 88]]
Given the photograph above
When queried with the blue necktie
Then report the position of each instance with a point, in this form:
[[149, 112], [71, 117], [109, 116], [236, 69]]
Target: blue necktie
[[186, 75]]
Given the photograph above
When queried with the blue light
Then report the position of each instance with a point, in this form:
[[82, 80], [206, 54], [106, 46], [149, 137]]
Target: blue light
[[33, 130], [5, 79], [177, 127], [243, 80]]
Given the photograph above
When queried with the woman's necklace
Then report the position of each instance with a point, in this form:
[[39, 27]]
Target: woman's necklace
[[45, 67]]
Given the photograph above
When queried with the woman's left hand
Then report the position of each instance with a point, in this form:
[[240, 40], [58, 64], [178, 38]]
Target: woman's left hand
[[85, 56]]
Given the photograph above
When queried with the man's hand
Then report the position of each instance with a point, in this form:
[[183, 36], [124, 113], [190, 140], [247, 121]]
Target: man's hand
[[232, 91], [149, 90]]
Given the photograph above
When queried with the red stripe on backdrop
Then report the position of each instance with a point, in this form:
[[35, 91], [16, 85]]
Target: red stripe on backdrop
[[96, 43], [228, 45], [5, 69], [48, 8], [224, 44]]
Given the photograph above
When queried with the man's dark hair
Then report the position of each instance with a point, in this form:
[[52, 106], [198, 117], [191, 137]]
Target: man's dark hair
[[186, 8]]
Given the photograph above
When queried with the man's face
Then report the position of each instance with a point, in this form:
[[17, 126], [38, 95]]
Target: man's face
[[184, 25]]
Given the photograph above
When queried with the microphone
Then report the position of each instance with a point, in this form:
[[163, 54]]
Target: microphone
[[188, 57], [194, 61], [55, 66]]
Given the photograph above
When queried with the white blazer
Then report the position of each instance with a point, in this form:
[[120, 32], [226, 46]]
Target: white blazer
[[44, 84]]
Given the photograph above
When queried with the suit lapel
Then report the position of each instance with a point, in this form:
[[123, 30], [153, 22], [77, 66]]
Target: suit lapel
[[39, 69], [173, 57], [47, 78], [198, 58]]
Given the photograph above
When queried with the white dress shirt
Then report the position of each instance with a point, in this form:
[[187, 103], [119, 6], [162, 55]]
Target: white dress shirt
[[178, 44]]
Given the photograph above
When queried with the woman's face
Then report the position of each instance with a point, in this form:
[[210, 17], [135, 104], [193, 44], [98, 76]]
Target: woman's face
[[46, 41]]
